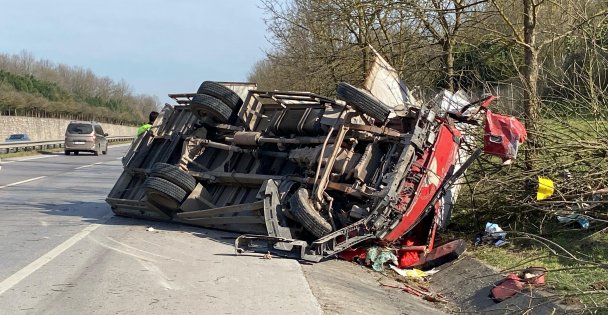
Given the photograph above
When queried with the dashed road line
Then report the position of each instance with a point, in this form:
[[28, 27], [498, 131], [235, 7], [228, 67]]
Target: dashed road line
[[29, 159], [85, 166], [23, 182], [41, 177]]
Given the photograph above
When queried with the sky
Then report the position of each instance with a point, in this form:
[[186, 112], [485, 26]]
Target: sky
[[157, 46]]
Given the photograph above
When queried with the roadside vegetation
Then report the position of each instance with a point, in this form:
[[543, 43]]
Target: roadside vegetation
[[548, 63], [40, 88]]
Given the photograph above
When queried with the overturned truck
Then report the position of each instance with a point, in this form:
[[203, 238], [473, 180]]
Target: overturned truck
[[299, 174]]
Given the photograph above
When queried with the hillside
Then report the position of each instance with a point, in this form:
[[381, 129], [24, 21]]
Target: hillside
[[40, 88]]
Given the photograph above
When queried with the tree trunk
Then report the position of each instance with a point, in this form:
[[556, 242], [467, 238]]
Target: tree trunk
[[448, 64], [531, 72]]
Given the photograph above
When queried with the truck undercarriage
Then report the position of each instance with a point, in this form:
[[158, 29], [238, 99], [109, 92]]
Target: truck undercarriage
[[299, 174]]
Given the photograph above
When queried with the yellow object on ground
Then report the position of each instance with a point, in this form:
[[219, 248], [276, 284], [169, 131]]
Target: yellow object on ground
[[410, 273], [545, 188]]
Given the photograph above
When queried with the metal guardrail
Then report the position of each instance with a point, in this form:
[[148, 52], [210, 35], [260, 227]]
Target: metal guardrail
[[48, 144]]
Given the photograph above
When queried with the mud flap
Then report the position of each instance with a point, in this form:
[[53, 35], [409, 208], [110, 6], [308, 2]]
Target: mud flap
[[276, 222]]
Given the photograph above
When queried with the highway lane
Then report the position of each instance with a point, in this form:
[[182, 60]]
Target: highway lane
[[64, 253], [48, 198], [25, 168]]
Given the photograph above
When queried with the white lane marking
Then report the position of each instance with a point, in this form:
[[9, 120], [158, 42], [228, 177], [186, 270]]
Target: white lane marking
[[120, 145], [18, 276], [85, 166], [28, 159], [41, 177], [23, 182]]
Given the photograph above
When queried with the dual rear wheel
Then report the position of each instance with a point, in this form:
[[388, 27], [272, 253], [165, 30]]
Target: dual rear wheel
[[167, 186]]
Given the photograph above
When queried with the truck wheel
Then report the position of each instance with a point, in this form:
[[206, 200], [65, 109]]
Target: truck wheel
[[66, 152], [174, 175], [307, 215], [204, 105], [222, 93], [163, 193], [363, 101]]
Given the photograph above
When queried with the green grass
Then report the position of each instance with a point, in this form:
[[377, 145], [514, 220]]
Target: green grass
[[501, 196], [567, 277]]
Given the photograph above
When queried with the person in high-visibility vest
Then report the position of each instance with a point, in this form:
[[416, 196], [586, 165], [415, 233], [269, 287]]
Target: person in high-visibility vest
[[143, 128]]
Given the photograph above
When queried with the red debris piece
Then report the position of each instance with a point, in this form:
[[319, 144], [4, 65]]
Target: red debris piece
[[503, 135], [515, 283], [507, 288], [357, 254], [408, 258]]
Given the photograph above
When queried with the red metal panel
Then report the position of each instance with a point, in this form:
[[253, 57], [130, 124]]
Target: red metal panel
[[437, 162]]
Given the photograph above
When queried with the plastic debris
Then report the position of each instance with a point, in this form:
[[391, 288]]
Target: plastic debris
[[545, 188], [493, 234], [377, 257], [582, 220], [150, 229], [410, 273]]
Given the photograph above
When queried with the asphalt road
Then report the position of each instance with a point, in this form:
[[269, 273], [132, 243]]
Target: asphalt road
[[63, 252]]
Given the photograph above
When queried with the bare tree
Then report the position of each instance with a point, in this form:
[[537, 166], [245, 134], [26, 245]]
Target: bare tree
[[524, 31]]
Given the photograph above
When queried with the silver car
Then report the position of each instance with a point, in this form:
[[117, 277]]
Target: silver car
[[87, 136]]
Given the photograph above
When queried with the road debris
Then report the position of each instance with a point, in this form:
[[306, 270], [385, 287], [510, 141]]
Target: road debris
[[377, 257], [515, 283], [415, 274], [493, 234], [419, 291], [545, 188], [581, 219]]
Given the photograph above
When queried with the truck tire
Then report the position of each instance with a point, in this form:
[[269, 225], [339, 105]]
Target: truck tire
[[222, 93], [163, 193], [363, 101], [174, 175], [307, 215], [205, 105]]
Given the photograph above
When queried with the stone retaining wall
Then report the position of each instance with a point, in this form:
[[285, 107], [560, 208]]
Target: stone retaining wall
[[41, 129]]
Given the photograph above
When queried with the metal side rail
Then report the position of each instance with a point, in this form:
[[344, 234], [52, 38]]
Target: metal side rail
[[47, 144]]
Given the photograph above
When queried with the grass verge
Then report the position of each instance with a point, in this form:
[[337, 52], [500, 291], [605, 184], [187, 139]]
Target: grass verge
[[578, 271]]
